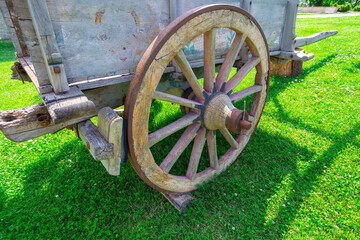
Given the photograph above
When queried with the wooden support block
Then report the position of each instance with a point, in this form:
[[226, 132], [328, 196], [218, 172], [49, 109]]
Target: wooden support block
[[98, 146], [179, 200], [286, 67], [65, 110], [280, 67], [111, 127], [71, 105], [106, 142]]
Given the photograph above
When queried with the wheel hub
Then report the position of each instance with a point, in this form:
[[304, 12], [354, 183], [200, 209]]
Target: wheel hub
[[220, 113]]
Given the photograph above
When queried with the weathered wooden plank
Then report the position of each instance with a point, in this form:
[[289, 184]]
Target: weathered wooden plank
[[51, 97], [244, 93], [174, 99], [229, 138], [296, 55], [13, 26], [98, 146], [211, 142], [230, 59], [111, 127], [72, 108], [179, 147], [186, 69], [47, 40], [4, 32], [24, 124], [289, 35], [29, 69], [164, 132], [26, 34], [179, 200], [196, 154], [241, 74], [209, 60], [303, 41]]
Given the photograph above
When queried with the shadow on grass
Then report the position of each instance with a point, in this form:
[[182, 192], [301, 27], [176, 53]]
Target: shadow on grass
[[66, 193]]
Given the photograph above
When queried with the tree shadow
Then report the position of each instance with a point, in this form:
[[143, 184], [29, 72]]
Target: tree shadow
[[59, 194]]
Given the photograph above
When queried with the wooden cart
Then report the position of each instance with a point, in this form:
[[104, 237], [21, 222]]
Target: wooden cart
[[87, 58]]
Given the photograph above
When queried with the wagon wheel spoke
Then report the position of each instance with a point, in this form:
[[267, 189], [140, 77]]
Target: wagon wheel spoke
[[208, 106], [164, 132], [185, 67], [229, 138], [175, 99], [230, 59], [235, 97], [179, 147], [196, 154], [211, 142], [209, 60], [241, 74]]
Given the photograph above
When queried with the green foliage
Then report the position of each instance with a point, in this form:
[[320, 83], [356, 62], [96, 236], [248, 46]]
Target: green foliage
[[297, 179], [327, 3], [334, 3], [357, 8], [344, 8]]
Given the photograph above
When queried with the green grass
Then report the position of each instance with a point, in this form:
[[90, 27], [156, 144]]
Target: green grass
[[298, 177]]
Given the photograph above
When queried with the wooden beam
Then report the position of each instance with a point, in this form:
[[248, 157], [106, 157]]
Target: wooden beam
[[289, 35], [303, 41], [31, 122], [95, 142], [47, 40], [111, 126]]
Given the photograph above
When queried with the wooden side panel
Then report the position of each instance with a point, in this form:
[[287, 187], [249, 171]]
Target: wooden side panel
[[105, 38], [11, 29], [4, 32], [271, 17], [26, 34], [194, 50], [98, 39]]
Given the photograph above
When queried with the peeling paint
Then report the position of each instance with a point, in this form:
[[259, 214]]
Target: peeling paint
[[123, 59], [138, 53], [98, 17], [136, 18], [148, 6]]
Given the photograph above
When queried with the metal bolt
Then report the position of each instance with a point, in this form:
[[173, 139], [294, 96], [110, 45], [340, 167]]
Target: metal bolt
[[57, 69]]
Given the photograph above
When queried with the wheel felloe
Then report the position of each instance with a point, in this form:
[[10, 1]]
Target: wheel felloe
[[207, 108]]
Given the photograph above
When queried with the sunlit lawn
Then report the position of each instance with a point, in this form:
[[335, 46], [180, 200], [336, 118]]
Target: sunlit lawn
[[298, 178]]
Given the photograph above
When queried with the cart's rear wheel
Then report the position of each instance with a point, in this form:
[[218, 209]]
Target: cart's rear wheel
[[212, 110]]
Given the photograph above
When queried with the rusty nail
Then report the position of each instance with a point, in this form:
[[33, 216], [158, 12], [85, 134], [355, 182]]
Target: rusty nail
[[44, 120], [88, 145], [57, 69]]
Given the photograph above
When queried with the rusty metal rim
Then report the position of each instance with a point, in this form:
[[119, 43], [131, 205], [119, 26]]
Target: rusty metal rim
[[151, 53]]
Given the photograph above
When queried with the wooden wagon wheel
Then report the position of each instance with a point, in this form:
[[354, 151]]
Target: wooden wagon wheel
[[212, 109]]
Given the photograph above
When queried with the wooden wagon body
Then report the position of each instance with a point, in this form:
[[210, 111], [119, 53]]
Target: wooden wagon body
[[82, 56]]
